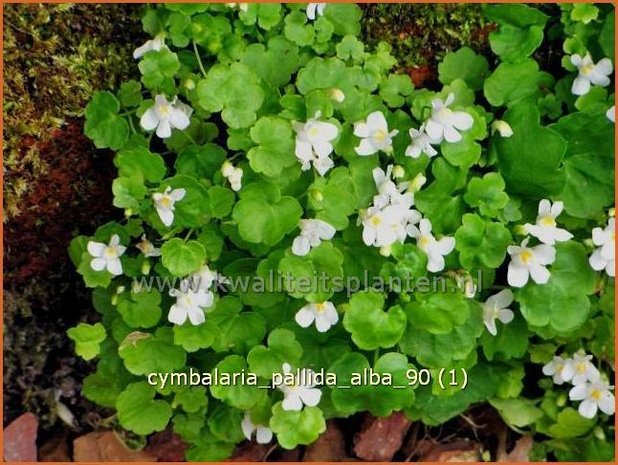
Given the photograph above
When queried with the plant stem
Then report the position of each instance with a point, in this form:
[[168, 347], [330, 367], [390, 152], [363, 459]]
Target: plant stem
[[199, 59]]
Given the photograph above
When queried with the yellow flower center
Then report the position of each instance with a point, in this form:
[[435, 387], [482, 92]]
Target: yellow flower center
[[313, 132], [596, 394], [166, 201], [164, 110], [376, 220], [380, 135], [526, 256], [445, 112], [320, 307], [110, 252], [423, 242], [580, 367], [548, 221], [586, 70]]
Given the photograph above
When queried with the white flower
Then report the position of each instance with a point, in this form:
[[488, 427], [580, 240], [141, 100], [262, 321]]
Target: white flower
[[434, 249], [313, 8], [604, 256], [611, 113], [312, 233], [496, 308], [106, 256], [189, 304], [156, 44], [299, 394], [545, 228], [384, 226], [421, 143], [324, 314], [263, 434], [164, 203], [555, 368], [388, 191], [241, 6], [204, 278], [580, 369], [444, 123], [589, 73], [374, 134], [314, 144], [529, 262], [165, 116], [147, 248], [594, 396], [233, 175], [502, 127]]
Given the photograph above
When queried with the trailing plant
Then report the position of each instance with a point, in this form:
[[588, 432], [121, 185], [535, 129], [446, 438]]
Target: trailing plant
[[294, 209]]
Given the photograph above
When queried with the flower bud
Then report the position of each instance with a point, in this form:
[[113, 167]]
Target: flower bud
[[336, 94], [386, 250], [502, 127], [120, 289], [398, 172], [418, 182], [227, 169], [145, 267], [189, 84], [316, 195], [561, 400], [128, 213], [612, 212]]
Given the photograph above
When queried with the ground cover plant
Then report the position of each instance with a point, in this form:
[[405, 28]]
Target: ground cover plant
[[294, 208]]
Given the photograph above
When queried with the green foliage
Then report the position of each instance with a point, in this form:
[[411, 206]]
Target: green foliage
[[222, 206]]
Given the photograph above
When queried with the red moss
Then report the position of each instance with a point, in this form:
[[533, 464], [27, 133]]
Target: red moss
[[71, 196]]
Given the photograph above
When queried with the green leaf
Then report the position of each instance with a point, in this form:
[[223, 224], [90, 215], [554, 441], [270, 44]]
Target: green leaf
[[128, 192], [584, 12], [158, 69], [608, 34], [530, 159], [438, 313], [140, 309], [87, 339], [193, 338], [350, 48], [182, 258], [139, 161], [517, 413], [370, 326], [296, 30], [282, 348], [275, 149], [241, 396], [333, 198], [275, 64], [464, 64], [221, 200], [570, 424], [511, 341], [588, 163], [513, 43], [441, 350], [395, 89], [391, 393], [481, 244], [344, 17], [151, 353], [263, 218], [487, 194], [103, 124], [191, 398], [511, 82], [192, 211], [139, 412], [235, 91], [563, 302], [296, 428], [129, 94], [238, 331]]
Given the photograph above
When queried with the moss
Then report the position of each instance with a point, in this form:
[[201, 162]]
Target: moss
[[55, 57], [421, 34], [56, 185]]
